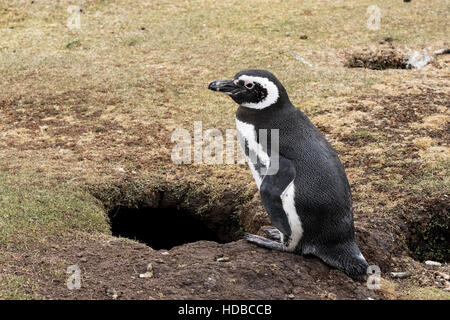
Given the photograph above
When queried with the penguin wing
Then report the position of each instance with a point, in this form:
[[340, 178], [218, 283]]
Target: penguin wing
[[275, 182]]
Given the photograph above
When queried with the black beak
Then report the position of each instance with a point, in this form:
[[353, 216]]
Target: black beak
[[226, 86]]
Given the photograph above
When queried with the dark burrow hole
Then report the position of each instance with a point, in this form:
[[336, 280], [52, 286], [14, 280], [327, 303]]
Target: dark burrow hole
[[164, 228], [429, 232]]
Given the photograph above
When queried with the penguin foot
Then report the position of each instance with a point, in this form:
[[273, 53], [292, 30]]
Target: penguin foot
[[263, 242], [273, 233]]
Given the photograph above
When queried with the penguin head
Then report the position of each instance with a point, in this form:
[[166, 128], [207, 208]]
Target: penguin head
[[255, 89]]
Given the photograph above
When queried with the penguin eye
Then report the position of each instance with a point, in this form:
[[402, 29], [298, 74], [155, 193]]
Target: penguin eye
[[249, 85]]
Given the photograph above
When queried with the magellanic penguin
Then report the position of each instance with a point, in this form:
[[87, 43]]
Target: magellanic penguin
[[307, 194]]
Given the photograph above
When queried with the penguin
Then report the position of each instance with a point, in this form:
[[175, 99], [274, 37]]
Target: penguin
[[302, 183]]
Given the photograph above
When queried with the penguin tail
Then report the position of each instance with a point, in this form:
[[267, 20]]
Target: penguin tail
[[346, 257]]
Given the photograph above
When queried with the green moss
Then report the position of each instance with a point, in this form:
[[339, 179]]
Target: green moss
[[428, 293], [73, 44], [14, 287], [31, 212]]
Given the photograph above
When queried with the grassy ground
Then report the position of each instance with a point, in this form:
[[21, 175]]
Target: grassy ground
[[91, 111]]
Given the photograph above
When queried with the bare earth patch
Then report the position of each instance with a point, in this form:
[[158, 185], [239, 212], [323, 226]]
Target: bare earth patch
[[113, 265]]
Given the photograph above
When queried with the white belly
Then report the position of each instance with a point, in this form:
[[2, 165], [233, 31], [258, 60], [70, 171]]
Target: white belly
[[247, 132]]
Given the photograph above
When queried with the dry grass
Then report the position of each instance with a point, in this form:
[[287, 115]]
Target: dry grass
[[78, 106]]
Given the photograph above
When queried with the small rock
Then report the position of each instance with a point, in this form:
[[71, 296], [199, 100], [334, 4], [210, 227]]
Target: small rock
[[146, 275], [291, 296], [112, 292], [388, 39], [223, 259], [121, 169], [447, 286], [210, 282], [165, 253], [331, 296], [433, 263], [84, 259], [444, 276], [149, 273], [400, 275], [303, 37]]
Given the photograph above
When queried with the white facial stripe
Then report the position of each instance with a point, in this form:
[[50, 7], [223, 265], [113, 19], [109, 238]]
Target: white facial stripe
[[272, 92]]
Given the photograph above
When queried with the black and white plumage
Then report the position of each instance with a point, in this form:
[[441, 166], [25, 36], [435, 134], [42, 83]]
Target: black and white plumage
[[308, 198]]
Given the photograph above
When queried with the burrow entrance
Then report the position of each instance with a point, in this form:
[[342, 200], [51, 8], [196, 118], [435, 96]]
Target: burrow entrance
[[163, 223], [429, 231], [160, 228]]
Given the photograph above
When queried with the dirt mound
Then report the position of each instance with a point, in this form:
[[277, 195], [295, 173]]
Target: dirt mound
[[377, 59], [192, 271]]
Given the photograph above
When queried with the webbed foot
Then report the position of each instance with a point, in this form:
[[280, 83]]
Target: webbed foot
[[263, 242], [273, 233]]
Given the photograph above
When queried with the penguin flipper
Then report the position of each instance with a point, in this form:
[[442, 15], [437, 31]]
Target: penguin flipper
[[271, 189]]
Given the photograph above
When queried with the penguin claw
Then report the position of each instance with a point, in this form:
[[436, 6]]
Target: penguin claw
[[246, 235], [263, 242], [273, 233]]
